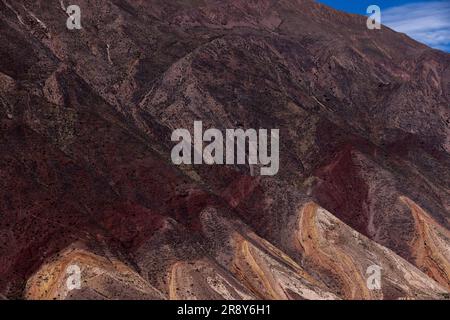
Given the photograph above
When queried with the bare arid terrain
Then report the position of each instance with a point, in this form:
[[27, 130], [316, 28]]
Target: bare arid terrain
[[86, 177]]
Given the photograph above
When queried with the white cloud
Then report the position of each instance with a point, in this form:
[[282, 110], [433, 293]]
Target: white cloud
[[427, 22]]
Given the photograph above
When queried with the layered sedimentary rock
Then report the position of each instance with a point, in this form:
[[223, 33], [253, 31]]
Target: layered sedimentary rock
[[86, 118], [102, 277]]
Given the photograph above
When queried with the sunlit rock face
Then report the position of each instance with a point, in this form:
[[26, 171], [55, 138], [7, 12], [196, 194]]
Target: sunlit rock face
[[86, 177]]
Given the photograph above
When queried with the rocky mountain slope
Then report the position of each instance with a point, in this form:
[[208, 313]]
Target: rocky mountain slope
[[86, 176]]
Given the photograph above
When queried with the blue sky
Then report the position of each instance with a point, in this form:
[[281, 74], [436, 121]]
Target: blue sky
[[427, 21]]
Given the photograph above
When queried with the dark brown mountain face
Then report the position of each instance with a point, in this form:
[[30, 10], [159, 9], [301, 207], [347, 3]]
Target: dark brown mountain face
[[86, 177]]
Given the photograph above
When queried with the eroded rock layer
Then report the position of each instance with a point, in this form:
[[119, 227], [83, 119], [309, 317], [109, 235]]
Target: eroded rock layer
[[86, 178]]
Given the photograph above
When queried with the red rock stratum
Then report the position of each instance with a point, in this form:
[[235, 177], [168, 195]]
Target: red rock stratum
[[86, 177]]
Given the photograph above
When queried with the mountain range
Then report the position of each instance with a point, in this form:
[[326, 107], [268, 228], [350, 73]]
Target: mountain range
[[86, 177]]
